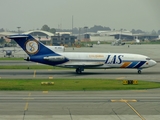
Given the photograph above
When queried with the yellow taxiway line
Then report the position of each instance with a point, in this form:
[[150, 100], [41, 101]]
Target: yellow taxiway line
[[26, 105], [34, 74], [126, 101]]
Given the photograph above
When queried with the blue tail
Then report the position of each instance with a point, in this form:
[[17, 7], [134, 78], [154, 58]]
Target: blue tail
[[37, 51], [30, 45]]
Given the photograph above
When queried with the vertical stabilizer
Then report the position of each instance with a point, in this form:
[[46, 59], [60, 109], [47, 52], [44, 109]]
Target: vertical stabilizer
[[30, 45]]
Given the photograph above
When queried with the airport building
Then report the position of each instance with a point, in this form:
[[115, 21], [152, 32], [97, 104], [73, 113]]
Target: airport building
[[104, 38], [59, 38], [63, 38], [110, 36], [43, 36], [66, 38], [127, 35], [95, 37]]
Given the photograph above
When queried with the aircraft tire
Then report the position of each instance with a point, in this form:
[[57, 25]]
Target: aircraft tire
[[78, 71], [139, 71]]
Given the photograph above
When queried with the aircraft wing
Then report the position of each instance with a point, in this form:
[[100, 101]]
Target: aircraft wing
[[82, 64]]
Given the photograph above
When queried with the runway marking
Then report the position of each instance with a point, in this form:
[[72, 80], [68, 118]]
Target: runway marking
[[135, 111], [34, 74], [45, 92], [119, 78], [126, 101], [50, 77], [26, 106], [140, 90], [28, 98], [123, 100]]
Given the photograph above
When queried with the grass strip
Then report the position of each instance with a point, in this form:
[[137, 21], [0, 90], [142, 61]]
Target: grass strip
[[27, 67], [73, 85], [11, 58]]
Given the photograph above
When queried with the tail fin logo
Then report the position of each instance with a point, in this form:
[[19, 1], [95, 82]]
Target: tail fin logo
[[32, 47]]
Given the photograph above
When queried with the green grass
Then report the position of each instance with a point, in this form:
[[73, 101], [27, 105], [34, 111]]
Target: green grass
[[27, 67], [73, 85], [11, 58]]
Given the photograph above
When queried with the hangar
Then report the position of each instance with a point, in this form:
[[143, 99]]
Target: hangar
[[43, 36], [59, 38]]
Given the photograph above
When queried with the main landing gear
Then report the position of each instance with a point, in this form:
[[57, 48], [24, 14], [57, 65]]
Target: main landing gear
[[139, 71], [79, 70]]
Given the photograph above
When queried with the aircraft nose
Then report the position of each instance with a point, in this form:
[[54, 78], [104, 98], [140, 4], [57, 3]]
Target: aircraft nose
[[153, 63]]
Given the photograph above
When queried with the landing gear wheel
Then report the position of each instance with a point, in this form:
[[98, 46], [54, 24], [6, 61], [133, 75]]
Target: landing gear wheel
[[139, 71], [78, 71]]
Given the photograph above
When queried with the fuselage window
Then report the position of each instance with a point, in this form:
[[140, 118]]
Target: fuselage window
[[148, 58]]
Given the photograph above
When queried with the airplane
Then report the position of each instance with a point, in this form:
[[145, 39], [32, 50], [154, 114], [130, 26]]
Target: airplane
[[137, 40], [118, 41], [38, 52], [98, 42], [158, 38], [9, 53]]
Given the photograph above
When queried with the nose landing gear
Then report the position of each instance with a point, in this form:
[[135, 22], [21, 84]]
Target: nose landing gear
[[139, 71]]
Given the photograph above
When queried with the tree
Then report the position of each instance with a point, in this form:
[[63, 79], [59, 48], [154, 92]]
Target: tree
[[158, 32], [52, 30], [2, 30], [133, 31], [13, 42], [45, 28], [96, 28], [2, 40], [154, 32], [139, 31]]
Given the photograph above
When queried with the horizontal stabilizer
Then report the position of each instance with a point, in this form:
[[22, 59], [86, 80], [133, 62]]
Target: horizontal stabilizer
[[16, 36]]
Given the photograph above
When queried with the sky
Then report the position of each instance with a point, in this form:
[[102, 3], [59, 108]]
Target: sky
[[116, 14]]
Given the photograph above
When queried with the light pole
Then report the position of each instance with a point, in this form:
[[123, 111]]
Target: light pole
[[86, 28], [120, 35], [79, 34], [18, 30]]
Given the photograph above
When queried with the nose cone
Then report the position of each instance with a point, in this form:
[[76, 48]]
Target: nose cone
[[153, 63]]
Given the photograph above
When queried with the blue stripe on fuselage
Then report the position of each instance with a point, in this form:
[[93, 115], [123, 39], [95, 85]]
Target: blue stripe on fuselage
[[133, 64], [140, 64]]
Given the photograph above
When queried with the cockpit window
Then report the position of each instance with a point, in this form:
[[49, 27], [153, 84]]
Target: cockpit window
[[148, 58]]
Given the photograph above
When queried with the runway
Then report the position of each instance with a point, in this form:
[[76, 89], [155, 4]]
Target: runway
[[76, 105], [84, 105], [149, 74]]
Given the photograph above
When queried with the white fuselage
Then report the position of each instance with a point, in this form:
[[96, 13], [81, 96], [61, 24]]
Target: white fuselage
[[107, 60]]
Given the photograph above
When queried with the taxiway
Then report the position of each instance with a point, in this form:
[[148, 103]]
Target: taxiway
[[84, 105]]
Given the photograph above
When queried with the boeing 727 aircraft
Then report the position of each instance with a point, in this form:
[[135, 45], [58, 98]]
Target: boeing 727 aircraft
[[40, 53]]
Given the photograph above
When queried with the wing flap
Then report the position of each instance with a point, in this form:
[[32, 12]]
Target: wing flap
[[82, 64]]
